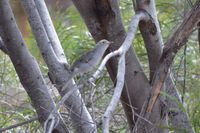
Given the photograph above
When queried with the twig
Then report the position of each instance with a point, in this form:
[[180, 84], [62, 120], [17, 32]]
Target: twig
[[19, 124], [184, 74], [103, 63], [51, 122]]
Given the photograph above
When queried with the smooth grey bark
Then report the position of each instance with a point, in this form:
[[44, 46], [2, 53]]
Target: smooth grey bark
[[103, 20], [152, 36], [81, 119], [50, 30], [25, 65], [178, 119]]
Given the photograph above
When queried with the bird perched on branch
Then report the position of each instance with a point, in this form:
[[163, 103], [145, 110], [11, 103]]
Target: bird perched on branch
[[89, 60], [85, 63]]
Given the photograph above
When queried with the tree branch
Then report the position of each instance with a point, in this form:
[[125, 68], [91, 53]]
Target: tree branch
[[40, 33], [121, 67], [50, 30], [178, 39]]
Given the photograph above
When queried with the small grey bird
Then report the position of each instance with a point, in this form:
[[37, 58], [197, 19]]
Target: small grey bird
[[89, 60]]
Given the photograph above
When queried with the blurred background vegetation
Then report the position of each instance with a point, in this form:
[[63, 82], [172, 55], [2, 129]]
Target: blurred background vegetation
[[15, 105]]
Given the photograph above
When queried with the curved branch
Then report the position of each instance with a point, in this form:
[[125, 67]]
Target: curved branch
[[103, 63], [121, 68]]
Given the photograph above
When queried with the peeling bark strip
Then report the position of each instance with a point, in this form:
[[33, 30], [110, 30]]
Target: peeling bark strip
[[179, 38]]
